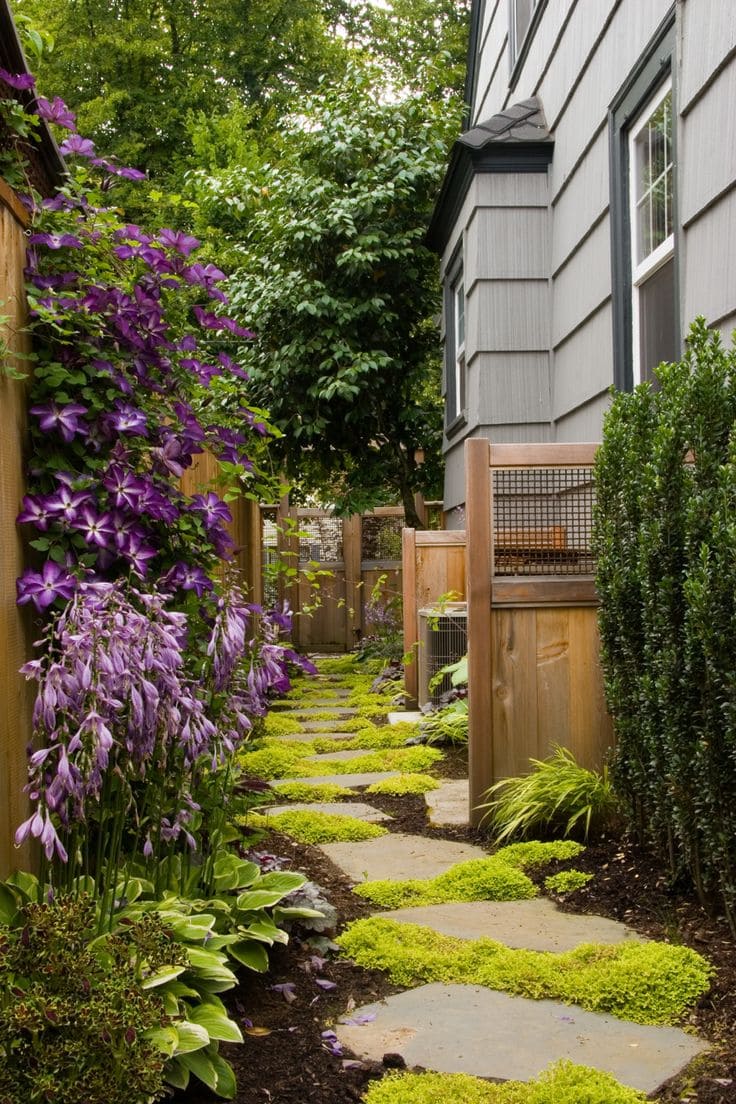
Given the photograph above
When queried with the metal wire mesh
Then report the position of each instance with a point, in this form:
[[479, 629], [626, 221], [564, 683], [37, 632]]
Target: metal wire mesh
[[381, 538], [320, 540], [444, 641], [542, 521]]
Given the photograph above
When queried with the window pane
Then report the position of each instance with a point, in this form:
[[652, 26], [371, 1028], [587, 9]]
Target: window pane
[[653, 181], [522, 16], [460, 315], [657, 335]]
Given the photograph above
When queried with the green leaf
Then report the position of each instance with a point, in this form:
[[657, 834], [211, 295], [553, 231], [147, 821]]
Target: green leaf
[[226, 1083], [265, 932], [201, 1066], [166, 1039], [192, 1037], [250, 954], [283, 881], [160, 977], [8, 906], [216, 1023], [176, 1074], [254, 899]]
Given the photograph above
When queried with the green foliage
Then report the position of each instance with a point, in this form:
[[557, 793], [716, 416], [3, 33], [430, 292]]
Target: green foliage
[[279, 761], [75, 1019], [273, 761], [500, 877], [275, 725], [305, 792], [448, 725], [566, 881], [404, 784], [562, 1083], [649, 983], [666, 545], [317, 827], [341, 290], [557, 795], [390, 736]]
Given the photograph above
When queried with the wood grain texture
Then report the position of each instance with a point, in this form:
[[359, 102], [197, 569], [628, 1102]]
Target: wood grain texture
[[409, 613], [16, 630], [352, 529], [479, 570], [573, 455]]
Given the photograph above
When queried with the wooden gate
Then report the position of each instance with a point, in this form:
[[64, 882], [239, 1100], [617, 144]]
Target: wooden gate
[[328, 567]]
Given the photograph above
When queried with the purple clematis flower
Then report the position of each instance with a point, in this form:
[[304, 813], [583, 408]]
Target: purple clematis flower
[[137, 553], [63, 418], [65, 504], [57, 241], [176, 239], [42, 589], [188, 577], [20, 81], [56, 112], [127, 419], [75, 144], [212, 509], [212, 321], [35, 511], [125, 487], [96, 528]]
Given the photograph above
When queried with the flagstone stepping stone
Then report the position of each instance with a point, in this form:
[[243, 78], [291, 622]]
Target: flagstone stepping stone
[[449, 803], [469, 1029], [308, 737], [399, 856], [332, 707], [536, 925], [404, 715], [337, 756], [357, 809], [320, 727], [356, 781]]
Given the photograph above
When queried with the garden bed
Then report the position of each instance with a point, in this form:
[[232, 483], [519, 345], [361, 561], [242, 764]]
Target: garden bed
[[292, 1063]]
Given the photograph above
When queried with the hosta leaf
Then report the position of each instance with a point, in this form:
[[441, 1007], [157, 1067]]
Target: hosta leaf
[[8, 905], [176, 1074], [281, 880], [216, 1023], [250, 954], [201, 1066], [192, 1036], [265, 932], [226, 1083], [254, 899], [166, 1039], [289, 913], [160, 977]]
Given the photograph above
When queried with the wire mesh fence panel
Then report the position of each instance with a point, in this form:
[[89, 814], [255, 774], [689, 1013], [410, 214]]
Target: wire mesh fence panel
[[381, 538], [542, 521], [270, 555], [320, 540]]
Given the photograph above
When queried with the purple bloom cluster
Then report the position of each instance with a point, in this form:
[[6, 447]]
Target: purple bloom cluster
[[118, 695]]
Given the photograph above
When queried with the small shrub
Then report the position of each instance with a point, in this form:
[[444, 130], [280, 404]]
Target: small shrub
[[448, 725], [401, 759], [648, 983], [404, 784], [566, 881], [73, 1016], [557, 794], [500, 877], [306, 792], [390, 736], [562, 1083], [316, 827], [274, 725]]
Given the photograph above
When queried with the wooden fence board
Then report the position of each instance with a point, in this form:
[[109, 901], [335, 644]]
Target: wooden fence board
[[16, 633]]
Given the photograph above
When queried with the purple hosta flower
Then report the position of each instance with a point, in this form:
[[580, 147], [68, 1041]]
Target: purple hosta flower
[[56, 112], [127, 419], [42, 589], [176, 239], [361, 1019], [20, 81], [219, 322], [331, 1042], [42, 829], [75, 144], [96, 528], [325, 984], [65, 419], [187, 577], [211, 508]]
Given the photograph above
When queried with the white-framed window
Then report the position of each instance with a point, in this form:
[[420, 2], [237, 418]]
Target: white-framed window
[[520, 17], [652, 221], [455, 346]]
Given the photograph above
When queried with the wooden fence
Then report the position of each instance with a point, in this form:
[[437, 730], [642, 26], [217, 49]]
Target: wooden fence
[[433, 566], [16, 634], [533, 649]]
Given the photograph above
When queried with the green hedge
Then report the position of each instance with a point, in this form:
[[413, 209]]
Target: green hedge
[[665, 535]]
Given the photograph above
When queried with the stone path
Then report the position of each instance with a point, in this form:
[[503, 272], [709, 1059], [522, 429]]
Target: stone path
[[468, 1028]]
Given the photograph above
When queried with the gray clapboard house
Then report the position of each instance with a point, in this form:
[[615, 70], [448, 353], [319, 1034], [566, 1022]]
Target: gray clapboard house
[[588, 213]]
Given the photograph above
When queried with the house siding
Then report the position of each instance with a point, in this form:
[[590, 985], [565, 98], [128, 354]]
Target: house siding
[[537, 249]]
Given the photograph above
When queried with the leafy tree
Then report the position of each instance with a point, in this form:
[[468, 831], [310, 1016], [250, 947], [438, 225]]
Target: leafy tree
[[139, 71], [342, 292]]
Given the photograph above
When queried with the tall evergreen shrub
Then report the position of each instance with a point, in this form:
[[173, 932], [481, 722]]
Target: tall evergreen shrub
[[665, 536]]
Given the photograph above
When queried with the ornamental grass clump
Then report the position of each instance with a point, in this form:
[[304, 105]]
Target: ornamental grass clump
[[558, 795], [648, 983], [562, 1083], [316, 827]]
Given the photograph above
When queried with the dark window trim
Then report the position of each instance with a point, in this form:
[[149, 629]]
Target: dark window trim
[[477, 14], [518, 50], [652, 68], [456, 403]]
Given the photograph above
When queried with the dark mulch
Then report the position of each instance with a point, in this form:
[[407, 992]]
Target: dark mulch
[[291, 1063]]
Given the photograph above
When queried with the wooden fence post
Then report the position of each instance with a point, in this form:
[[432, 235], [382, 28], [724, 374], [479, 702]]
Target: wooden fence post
[[288, 547], [409, 605], [253, 553], [352, 536], [479, 551]]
